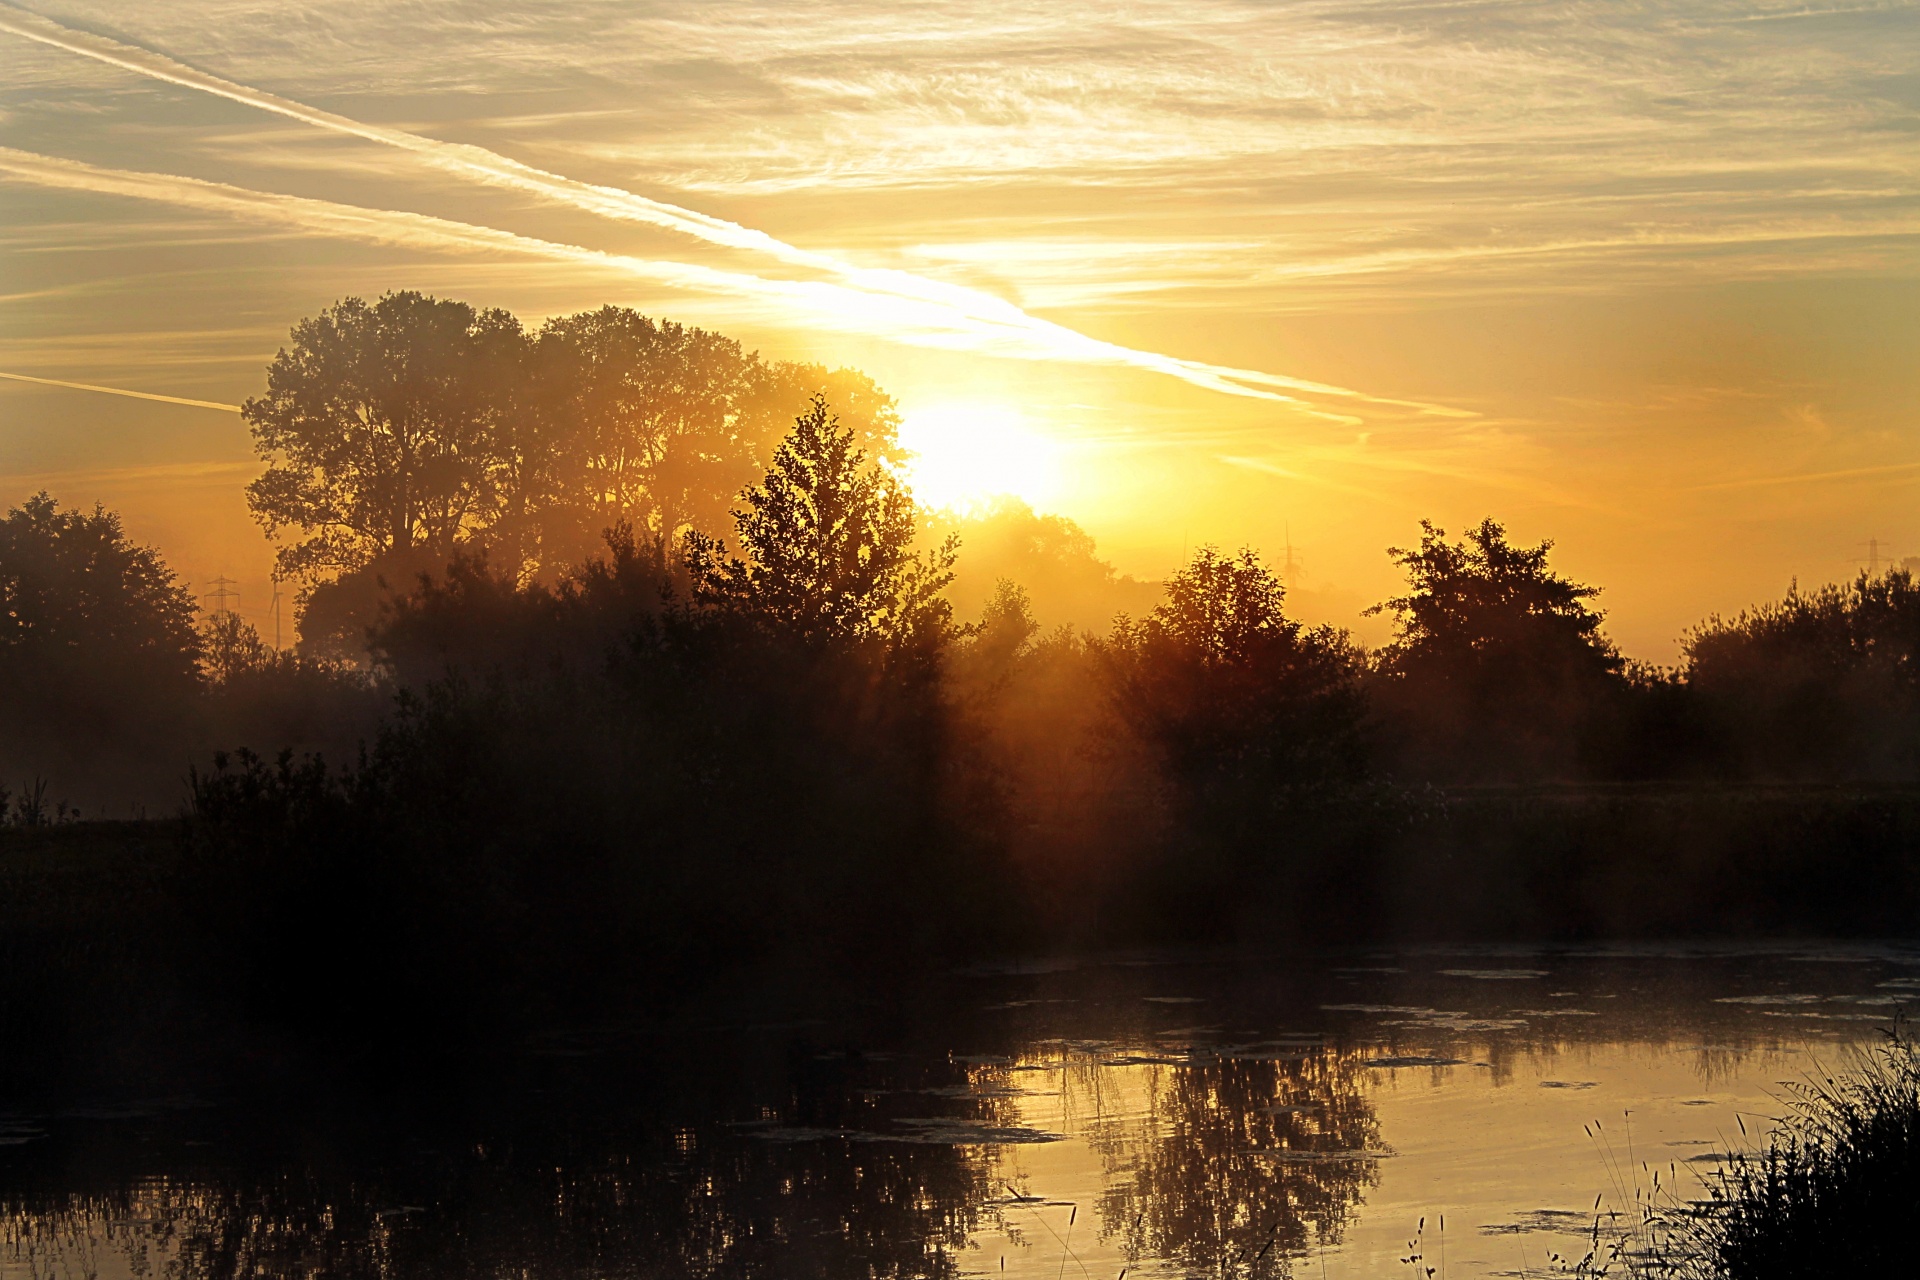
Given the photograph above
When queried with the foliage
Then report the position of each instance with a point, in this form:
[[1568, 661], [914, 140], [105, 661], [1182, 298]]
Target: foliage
[[74, 590], [478, 620], [380, 433], [231, 647], [1824, 683], [1049, 556], [1240, 699], [401, 433], [658, 425], [98, 651], [1832, 1192], [828, 538], [1499, 667]]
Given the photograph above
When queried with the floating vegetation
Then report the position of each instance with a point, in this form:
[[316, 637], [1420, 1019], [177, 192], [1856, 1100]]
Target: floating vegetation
[[1496, 975]]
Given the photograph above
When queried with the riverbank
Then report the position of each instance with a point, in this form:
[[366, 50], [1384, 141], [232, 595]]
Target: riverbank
[[123, 954]]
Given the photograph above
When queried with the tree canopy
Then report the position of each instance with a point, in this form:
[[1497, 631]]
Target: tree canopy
[[383, 426], [402, 432], [75, 591], [1229, 688], [828, 540], [1498, 665], [1823, 683]]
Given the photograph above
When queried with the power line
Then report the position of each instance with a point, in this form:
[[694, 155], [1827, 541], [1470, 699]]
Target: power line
[[224, 598], [1876, 551]]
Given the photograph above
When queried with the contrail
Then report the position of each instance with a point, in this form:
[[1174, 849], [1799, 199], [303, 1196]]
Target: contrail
[[488, 166], [122, 391], [824, 303]]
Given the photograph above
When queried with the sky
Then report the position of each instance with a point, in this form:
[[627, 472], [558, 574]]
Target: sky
[[1640, 278]]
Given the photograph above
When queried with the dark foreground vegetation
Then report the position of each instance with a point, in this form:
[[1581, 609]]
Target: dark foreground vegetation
[[1834, 1190], [1830, 1192], [628, 664]]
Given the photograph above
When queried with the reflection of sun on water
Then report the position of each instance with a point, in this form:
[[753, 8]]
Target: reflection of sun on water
[[965, 453]]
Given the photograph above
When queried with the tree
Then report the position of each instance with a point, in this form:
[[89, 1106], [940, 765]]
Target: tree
[[1231, 692], [828, 538], [76, 595], [1049, 556], [382, 427], [231, 647], [660, 425], [403, 433], [98, 654], [1499, 667], [1825, 683]]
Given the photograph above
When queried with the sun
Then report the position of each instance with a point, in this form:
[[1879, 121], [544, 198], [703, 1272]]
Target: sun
[[965, 453]]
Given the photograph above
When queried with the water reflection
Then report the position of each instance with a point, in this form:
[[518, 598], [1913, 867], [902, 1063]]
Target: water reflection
[[1064, 1123], [1241, 1162]]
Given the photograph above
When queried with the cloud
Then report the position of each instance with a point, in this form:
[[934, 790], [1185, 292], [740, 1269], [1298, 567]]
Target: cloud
[[939, 314], [825, 304]]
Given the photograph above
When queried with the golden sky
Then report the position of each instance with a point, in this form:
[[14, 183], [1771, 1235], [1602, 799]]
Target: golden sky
[[1638, 277]]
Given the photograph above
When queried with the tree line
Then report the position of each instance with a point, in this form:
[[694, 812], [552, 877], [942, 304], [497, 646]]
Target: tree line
[[768, 732], [401, 432]]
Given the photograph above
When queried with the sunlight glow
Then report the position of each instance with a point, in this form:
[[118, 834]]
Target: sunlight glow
[[966, 453]]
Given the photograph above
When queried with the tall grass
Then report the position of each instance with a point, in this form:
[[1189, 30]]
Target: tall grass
[[1833, 1191], [1836, 1189]]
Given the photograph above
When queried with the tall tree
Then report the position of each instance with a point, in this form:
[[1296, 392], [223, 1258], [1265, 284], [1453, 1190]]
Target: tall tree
[[661, 425], [1499, 667], [1233, 693], [381, 427], [828, 541]]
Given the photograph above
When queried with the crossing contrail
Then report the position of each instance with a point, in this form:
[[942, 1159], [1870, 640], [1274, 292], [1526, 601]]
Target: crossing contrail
[[999, 318], [823, 303], [122, 391]]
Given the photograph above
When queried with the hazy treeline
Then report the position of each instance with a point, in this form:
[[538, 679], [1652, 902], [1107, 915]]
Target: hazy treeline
[[750, 723], [402, 432]]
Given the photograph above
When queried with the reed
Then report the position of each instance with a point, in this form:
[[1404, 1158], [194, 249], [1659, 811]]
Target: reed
[[1833, 1190]]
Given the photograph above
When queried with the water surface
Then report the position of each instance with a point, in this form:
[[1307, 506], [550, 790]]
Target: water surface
[[1171, 1116]]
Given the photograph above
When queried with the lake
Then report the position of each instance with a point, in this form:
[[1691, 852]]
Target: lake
[[1161, 1115]]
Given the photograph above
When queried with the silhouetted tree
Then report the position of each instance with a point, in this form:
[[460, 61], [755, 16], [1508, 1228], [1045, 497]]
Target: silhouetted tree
[[1049, 557], [402, 433], [478, 620], [98, 652], [231, 647], [77, 595], [1499, 667], [1824, 683], [1240, 700], [828, 538], [381, 427], [660, 425], [1003, 635]]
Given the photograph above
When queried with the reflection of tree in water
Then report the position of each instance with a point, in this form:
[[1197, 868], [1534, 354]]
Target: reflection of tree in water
[[1240, 1163], [608, 1201], [754, 1209]]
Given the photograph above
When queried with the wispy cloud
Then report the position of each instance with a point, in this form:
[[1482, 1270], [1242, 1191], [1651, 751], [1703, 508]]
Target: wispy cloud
[[826, 304], [944, 312], [1886, 471]]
